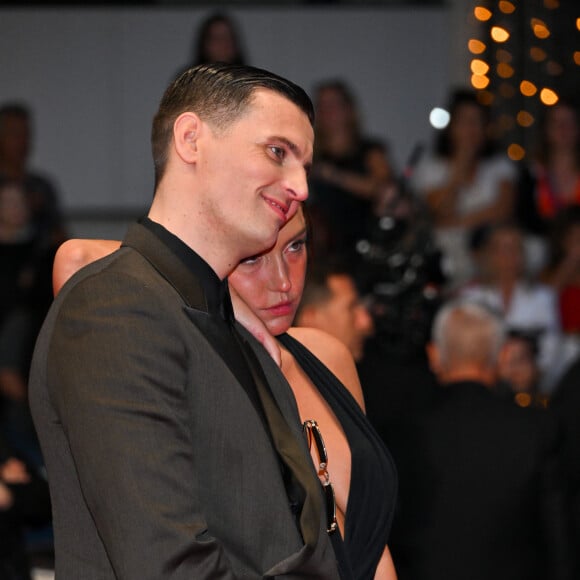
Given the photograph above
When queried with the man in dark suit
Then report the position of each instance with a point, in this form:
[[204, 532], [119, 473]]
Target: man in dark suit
[[480, 491], [565, 404], [172, 442]]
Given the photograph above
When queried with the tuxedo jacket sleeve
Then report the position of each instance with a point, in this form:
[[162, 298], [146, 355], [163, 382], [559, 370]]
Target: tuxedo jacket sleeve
[[158, 463]]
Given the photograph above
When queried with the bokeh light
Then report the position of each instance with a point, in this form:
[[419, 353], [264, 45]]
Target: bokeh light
[[482, 14], [479, 81], [476, 46], [525, 119], [540, 29], [479, 67], [516, 152], [506, 7], [528, 89], [499, 34], [505, 71], [548, 97], [537, 54], [439, 118]]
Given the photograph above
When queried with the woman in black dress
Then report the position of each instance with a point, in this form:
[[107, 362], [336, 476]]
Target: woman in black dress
[[266, 290]]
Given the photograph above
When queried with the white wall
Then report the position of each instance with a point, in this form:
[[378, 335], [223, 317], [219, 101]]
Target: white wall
[[94, 78]]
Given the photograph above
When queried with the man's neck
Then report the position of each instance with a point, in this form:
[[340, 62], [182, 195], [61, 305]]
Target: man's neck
[[468, 373], [186, 224]]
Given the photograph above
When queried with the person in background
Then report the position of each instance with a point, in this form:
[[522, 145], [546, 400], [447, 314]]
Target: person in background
[[15, 149], [549, 183], [565, 405], [518, 371], [556, 169], [465, 183], [524, 304], [25, 296], [218, 40], [331, 303], [24, 502], [563, 271], [481, 494], [350, 175]]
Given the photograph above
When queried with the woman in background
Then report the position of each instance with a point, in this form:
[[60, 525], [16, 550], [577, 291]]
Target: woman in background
[[524, 304], [556, 171], [465, 184], [218, 40], [350, 175]]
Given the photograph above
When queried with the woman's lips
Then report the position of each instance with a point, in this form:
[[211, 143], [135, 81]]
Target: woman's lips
[[281, 309]]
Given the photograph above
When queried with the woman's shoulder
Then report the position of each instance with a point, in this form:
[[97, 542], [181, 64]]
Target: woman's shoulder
[[323, 345], [333, 354]]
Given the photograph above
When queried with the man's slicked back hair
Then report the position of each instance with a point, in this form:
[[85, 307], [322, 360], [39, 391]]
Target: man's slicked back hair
[[218, 93]]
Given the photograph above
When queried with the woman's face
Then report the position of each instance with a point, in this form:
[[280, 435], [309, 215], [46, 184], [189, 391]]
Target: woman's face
[[571, 242], [562, 131], [271, 284], [220, 43], [332, 109], [14, 207], [505, 255], [467, 129]]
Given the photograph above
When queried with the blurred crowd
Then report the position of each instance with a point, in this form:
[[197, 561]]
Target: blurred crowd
[[460, 225], [391, 247]]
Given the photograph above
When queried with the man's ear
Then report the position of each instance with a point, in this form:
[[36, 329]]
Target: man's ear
[[503, 358], [185, 134]]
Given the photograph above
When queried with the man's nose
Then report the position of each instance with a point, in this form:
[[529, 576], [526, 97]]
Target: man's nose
[[296, 183], [364, 320]]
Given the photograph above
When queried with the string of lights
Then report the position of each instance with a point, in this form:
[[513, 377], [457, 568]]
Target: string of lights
[[525, 58]]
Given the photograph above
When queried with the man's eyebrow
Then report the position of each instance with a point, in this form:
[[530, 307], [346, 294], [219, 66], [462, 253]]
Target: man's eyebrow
[[290, 144]]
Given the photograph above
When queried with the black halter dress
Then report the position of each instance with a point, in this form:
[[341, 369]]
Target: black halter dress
[[373, 484]]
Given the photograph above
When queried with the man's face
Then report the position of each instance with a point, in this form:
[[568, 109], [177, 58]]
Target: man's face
[[344, 316], [254, 173]]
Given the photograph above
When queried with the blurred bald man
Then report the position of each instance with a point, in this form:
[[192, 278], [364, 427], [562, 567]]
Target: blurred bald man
[[480, 490]]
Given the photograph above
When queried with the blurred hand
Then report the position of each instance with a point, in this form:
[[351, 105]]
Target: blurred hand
[[6, 498], [14, 471]]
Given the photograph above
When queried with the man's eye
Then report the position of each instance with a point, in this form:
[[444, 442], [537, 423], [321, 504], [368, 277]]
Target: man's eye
[[278, 151]]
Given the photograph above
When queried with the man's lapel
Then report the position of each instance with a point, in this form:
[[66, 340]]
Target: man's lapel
[[213, 329], [290, 441], [273, 390]]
